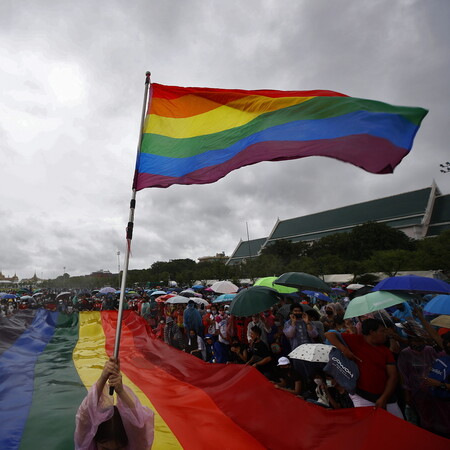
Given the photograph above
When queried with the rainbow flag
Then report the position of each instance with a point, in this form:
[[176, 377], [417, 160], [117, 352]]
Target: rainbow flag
[[48, 360], [198, 135]]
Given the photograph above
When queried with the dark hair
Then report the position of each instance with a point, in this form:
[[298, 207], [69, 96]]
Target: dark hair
[[446, 337], [112, 430], [339, 319], [296, 305], [369, 325], [256, 330], [313, 314]]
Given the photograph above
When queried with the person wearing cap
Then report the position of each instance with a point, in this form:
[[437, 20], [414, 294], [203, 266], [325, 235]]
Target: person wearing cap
[[209, 349], [289, 378]]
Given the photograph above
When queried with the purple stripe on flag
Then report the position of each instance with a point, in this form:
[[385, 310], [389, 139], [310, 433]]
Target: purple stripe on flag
[[373, 154]]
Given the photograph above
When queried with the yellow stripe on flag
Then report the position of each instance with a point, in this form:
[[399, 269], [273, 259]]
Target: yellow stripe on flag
[[89, 357], [225, 117]]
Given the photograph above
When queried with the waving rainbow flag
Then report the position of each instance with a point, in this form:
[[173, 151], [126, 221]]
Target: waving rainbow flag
[[198, 135], [48, 361]]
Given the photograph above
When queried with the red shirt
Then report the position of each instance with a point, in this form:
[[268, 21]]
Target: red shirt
[[372, 369]]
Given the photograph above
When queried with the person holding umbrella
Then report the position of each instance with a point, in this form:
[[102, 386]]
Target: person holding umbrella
[[378, 373], [299, 330]]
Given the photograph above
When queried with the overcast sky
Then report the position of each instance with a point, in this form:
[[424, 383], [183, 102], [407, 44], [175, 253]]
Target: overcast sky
[[72, 77]]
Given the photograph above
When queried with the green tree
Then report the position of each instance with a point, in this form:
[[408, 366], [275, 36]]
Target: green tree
[[389, 261]]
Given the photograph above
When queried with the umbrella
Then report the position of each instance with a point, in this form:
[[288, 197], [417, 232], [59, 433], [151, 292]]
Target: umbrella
[[439, 305], [318, 295], [199, 301], [253, 300], [63, 294], [163, 298], [177, 300], [5, 296], [198, 286], [441, 321], [269, 282], [355, 286], [361, 291], [157, 293], [374, 301], [188, 293], [413, 283], [337, 290], [224, 298], [312, 352], [224, 287], [26, 297], [107, 290], [302, 280]]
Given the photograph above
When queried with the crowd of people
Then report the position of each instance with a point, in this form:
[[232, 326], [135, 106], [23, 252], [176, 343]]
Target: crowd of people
[[403, 361]]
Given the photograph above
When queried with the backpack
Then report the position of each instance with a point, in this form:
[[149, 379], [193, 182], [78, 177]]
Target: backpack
[[342, 369]]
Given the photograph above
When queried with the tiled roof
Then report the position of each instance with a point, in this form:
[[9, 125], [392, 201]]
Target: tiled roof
[[440, 219], [246, 249], [400, 211]]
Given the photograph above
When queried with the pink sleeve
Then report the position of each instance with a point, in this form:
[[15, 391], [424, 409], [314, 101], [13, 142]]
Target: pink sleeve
[[91, 413], [138, 422]]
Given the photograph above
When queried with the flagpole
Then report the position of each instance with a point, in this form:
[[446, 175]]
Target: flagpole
[[129, 231]]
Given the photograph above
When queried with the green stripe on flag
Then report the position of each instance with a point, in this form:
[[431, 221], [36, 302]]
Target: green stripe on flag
[[58, 391]]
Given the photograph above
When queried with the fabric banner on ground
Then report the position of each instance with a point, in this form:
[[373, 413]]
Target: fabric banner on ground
[[198, 135], [51, 359]]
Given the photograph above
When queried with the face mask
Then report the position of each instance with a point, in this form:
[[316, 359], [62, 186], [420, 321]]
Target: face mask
[[329, 313], [298, 316], [329, 383], [208, 310], [277, 324], [213, 311], [318, 381]]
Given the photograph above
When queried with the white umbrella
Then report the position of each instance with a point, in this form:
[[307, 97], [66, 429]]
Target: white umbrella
[[177, 300], [355, 286], [199, 301], [63, 294], [224, 287], [312, 352]]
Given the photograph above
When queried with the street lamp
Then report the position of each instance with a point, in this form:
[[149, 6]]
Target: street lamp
[[118, 265]]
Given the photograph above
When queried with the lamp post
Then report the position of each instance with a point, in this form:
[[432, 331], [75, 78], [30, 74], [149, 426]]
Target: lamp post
[[118, 265]]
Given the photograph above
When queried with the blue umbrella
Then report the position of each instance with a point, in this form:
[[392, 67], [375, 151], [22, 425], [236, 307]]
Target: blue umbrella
[[224, 298], [318, 296], [7, 296], [413, 283], [198, 286], [439, 305]]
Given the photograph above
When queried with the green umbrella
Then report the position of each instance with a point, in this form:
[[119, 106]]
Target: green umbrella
[[302, 281], [371, 302], [253, 300], [269, 282]]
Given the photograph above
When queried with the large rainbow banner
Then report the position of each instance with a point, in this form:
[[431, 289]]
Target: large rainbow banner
[[48, 360], [198, 135]]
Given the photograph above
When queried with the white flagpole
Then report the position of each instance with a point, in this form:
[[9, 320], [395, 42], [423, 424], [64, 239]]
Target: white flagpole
[[129, 232]]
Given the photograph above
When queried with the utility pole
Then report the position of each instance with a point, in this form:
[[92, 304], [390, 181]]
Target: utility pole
[[118, 265]]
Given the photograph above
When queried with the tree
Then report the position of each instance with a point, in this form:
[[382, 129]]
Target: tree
[[285, 250], [389, 261], [370, 237]]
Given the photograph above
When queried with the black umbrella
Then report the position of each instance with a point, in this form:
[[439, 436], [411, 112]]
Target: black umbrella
[[303, 281]]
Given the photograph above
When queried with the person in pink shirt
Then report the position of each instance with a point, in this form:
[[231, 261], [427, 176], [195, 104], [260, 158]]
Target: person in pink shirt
[[101, 425]]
